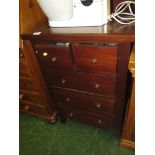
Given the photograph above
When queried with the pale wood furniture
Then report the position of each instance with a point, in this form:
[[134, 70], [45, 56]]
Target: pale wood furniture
[[128, 133], [33, 95]]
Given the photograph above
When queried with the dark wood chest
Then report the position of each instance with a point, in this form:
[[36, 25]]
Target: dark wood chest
[[85, 70]]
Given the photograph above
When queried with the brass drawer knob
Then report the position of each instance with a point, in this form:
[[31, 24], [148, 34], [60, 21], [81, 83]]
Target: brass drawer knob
[[54, 59], [68, 99], [97, 85], [94, 61], [98, 105], [26, 107], [63, 81], [99, 121], [71, 114], [45, 54]]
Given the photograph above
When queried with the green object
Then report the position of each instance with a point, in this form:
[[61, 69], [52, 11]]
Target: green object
[[38, 137]]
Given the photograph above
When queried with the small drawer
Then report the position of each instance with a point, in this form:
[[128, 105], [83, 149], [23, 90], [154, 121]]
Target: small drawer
[[54, 56], [32, 97], [84, 101], [95, 58], [27, 84], [33, 109], [23, 68], [87, 117], [104, 85]]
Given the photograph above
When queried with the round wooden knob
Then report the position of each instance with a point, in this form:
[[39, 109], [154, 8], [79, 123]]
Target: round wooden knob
[[68, 99], [63, 81], [97, 85], [54, 59], [26, 107], [99, 121], [94, 61], [21, 54], [98, 105], [71, 114], [21, 96]]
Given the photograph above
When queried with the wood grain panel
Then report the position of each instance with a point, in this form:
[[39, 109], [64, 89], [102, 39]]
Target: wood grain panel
[[95, 58], [31, 16]]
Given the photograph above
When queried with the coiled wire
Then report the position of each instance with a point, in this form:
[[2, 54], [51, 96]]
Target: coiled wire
[[123, 13]]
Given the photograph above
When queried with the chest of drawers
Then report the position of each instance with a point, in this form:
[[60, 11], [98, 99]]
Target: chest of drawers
[[33, 95], [31, 99], [85, 72]]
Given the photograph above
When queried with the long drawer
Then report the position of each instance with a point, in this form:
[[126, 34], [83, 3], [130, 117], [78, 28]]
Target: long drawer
[[35, 109], [27, 83], [23, 67], [95, 57], [84, 101], [98, 84], [87, 117], [29, 96]]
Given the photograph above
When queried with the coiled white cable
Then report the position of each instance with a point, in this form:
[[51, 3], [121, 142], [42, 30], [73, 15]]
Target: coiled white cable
[[123, 13]]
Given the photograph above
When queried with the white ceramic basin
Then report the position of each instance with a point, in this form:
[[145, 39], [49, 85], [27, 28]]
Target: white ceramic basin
[[57, 9]]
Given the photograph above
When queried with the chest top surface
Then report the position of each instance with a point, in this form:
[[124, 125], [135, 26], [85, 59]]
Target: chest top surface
[[112, 31]]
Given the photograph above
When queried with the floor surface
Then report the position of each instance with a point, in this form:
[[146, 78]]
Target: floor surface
[[38, 137]]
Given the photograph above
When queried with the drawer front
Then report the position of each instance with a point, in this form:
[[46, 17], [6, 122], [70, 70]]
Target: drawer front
[[23, 67], [91, 118], [53, 56], [27, 84], [33, 109], [104, 85], [85, 101], [32, 97], [96, 58]]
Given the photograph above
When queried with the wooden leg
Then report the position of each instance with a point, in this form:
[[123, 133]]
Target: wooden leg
[[53, 119], [62, 118]]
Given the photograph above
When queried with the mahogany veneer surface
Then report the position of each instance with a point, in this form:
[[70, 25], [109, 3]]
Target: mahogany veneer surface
[[85, 70]]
